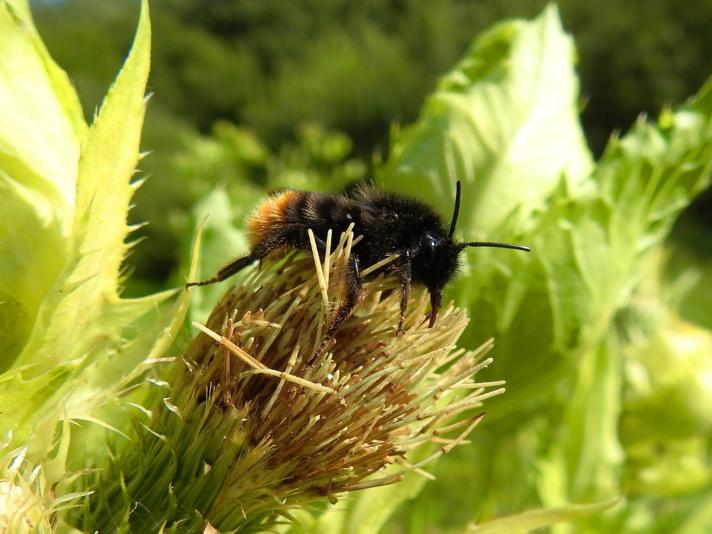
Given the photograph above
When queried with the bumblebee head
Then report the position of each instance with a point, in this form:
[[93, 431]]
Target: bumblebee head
[[435, 264], [437, 257]]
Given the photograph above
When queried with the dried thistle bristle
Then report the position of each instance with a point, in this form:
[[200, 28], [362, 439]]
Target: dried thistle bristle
[[313, 420]]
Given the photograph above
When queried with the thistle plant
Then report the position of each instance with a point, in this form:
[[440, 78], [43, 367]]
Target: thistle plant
[[264, 417]]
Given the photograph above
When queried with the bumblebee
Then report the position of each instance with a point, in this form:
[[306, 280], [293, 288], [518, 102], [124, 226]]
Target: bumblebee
[[390, 225]]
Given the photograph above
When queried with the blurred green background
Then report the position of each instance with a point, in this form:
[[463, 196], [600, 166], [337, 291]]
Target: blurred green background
[[267, 91], [252, 95]]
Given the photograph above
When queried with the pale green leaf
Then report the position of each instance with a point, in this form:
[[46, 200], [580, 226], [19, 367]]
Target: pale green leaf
[[700, 518], [670, 384], [42, 128], [83, 327], [586, 456], [592, 239], [535, 519], [89, 281], [504, 121], [550, 311], [590, 249]]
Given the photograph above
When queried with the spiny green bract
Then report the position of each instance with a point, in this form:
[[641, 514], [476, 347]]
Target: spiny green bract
[[69, 342]]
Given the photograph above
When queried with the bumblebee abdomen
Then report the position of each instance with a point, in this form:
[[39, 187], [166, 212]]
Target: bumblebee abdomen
[[273, 214], [288, 215]]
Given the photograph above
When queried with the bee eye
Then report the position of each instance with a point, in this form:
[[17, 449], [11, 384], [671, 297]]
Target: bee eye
[[427, 247]]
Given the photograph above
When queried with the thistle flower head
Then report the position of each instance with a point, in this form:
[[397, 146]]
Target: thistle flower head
[[315, 420], [265, 416]]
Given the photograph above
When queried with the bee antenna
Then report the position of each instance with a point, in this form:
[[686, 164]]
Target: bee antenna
[[496, 245], [455, 213]]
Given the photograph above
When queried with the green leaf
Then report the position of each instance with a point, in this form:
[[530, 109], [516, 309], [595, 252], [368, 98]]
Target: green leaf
[[589, 251], [700, 518], [580, 467], [504, 122], [110, 376], [89, 281], [554, 312], [39, 148], [83, 326], [535, 519], [669, 389]]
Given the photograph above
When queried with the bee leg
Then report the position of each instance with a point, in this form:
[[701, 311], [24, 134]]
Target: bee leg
[[258, 253], [227, 271], [404, 276], [435, 301], [306, 243], [353, 293]]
